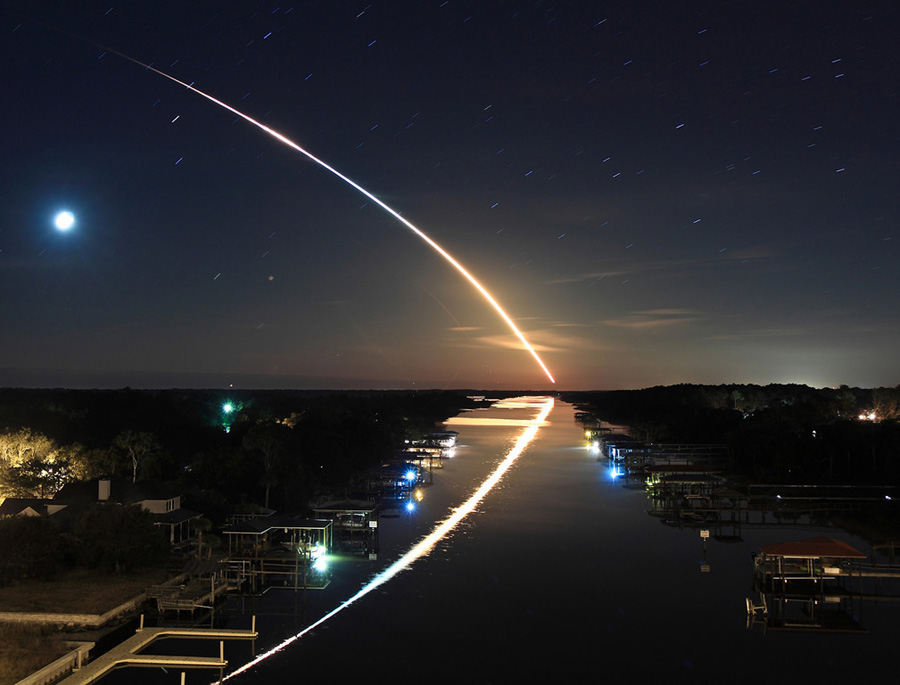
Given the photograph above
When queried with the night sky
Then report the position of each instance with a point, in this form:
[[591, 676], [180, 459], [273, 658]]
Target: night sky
[[656, 192]]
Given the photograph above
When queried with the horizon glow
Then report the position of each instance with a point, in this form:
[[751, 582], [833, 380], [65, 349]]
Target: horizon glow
[[426, 544]]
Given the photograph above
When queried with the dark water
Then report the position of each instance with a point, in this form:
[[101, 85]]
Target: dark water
[[558, 571]]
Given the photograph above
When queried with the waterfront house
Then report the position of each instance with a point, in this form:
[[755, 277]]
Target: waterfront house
[[26, 506], [160, 498]]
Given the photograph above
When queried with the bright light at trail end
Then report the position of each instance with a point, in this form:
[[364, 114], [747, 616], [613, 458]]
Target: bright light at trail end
[[64, 220]]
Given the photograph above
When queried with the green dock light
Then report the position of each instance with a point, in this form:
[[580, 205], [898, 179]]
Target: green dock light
[[229, 414]]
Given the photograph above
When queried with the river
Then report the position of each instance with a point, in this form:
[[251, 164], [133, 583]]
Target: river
[[557, 571]]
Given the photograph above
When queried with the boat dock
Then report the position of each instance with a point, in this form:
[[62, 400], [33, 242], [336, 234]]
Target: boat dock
[[815, 584], [128, 653]]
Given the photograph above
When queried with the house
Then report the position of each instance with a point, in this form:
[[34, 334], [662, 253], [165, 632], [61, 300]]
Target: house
[[162, 499], [24, 506]]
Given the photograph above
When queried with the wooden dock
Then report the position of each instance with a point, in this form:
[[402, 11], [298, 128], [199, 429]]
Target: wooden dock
[[128, 653]]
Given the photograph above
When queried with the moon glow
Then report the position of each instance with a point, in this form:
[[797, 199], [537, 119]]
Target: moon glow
[[64, 220]]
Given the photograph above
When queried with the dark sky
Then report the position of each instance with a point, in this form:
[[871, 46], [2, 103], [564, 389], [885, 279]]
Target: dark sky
[[656, 192]]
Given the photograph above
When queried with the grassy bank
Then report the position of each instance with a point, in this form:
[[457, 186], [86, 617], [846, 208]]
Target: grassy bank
[[24, 649], [78, 592]]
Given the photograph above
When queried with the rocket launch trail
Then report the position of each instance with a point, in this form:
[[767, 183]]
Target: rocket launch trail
[[287, 141]]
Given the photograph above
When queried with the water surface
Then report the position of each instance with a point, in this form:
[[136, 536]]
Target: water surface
[[560, 569]]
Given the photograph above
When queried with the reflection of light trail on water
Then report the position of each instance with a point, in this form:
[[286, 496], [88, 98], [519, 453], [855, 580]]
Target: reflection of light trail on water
[[294, 146], [425, 545]]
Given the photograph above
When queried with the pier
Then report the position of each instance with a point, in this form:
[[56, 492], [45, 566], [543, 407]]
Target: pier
[[128, 653]]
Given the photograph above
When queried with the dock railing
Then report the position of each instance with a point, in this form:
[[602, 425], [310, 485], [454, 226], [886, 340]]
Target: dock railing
[[64, 665]]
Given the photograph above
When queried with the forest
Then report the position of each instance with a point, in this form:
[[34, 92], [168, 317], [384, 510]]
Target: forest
[[225, 453]]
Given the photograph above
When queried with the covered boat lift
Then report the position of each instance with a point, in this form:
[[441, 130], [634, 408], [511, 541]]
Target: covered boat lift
[[806, 585]]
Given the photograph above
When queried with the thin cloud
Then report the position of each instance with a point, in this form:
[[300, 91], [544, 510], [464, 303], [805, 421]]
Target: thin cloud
[[655, 319], [760, 256], [786, 332]]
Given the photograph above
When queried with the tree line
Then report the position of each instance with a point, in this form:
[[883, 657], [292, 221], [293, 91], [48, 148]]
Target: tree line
[[281, 450], [777, 433]]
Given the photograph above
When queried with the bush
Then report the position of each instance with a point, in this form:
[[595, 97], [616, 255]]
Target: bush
[[119, 539], [30, 547]]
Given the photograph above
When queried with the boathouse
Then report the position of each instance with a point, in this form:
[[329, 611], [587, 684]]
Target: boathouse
[[355, 524], [806, 585], [814, 560], [668, 480], [266, 550], [257, 537]]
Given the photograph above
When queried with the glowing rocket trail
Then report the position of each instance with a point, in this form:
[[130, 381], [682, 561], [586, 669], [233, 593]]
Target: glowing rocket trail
[[428, 542], [287, 141]]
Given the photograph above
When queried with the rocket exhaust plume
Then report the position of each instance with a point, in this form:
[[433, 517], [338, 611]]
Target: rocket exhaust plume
[[291, 144]]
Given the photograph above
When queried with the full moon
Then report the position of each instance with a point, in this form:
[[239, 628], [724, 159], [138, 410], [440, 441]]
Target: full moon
[[64, 221]]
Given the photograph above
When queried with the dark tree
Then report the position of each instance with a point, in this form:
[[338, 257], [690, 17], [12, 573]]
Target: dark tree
[[139, 446], [271, 442], [119, 539], [30, 547]]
